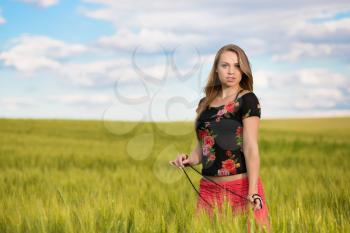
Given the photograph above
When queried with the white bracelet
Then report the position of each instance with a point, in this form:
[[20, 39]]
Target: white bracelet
[[259, 198]]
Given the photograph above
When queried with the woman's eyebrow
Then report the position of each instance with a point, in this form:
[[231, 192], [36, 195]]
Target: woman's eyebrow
[[228, 62]]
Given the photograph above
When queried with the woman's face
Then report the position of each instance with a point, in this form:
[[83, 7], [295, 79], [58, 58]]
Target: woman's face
[[228, 69]]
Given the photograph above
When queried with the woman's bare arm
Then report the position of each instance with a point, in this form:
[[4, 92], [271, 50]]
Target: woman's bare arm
[[251, 151], [195, 157]]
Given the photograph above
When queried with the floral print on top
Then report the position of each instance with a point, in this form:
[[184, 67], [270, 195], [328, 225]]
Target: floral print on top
[[227, 110], [220, 133], [208, 142]]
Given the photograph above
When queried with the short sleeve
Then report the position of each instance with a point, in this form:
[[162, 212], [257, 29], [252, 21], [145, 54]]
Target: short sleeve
[[250, 106]]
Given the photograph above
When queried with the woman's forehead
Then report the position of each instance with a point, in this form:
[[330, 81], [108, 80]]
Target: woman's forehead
[[228, 57]]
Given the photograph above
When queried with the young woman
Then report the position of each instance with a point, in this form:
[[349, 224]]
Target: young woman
[[227, 125]]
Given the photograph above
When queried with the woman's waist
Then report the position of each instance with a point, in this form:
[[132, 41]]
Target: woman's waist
[[227, 178]]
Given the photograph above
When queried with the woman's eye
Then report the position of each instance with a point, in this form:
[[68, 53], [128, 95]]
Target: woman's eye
[[237, 65], [224, 65]]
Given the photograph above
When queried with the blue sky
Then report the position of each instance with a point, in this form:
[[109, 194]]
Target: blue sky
[[104, 59]]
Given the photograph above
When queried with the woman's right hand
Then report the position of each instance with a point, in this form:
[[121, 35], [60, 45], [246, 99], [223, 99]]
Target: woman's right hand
[[181, 161]]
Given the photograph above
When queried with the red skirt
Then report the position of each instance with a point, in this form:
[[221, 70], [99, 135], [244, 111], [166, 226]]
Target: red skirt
[[215, 196]]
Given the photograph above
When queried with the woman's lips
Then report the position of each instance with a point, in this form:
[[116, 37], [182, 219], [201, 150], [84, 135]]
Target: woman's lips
[[230, 79]]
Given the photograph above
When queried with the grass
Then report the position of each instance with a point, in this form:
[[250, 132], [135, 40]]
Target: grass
[[94, 176]]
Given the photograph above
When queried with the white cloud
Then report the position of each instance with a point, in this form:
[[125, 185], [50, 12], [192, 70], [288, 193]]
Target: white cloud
[[322, 29], [319, 98], [41, 3], [2, 19], [32, 53], [82, 99], [308, 78], [150, 40], [16, 103], [311, 50], [314, 40], [92, 74], [289, 31], [312, 89], [88, 100], [321, 77], [281, 29], [261, 79], [303, 50], [77, 105]]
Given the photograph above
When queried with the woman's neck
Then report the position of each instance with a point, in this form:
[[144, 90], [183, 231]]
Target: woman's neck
[[229, 91]]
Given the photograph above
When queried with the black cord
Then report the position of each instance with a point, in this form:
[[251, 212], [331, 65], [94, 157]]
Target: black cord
[[218, 184], [195, 188], [247, 199]]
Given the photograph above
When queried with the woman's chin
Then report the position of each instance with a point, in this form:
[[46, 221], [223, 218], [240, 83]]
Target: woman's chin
[[230, 84]]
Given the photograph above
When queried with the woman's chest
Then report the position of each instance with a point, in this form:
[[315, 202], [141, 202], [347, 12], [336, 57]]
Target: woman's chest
[[227, 132]]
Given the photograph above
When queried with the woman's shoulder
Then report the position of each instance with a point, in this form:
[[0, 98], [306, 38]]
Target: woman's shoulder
[[250, 105], [245, 93]]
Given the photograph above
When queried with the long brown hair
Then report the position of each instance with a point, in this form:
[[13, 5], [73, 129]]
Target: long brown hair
[[213, 86]]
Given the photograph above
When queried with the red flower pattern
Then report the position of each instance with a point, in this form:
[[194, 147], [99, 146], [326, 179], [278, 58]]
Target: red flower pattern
[[229, 108], [229, 165], [209, 141], [212, 157], [203, 133]]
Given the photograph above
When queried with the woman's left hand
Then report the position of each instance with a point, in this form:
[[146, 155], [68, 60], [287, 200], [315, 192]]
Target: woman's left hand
[[256, 204]]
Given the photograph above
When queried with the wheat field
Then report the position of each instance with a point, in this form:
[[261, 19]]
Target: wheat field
[[99, 176]]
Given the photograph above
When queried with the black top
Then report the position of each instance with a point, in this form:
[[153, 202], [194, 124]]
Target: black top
[[220, 133]]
